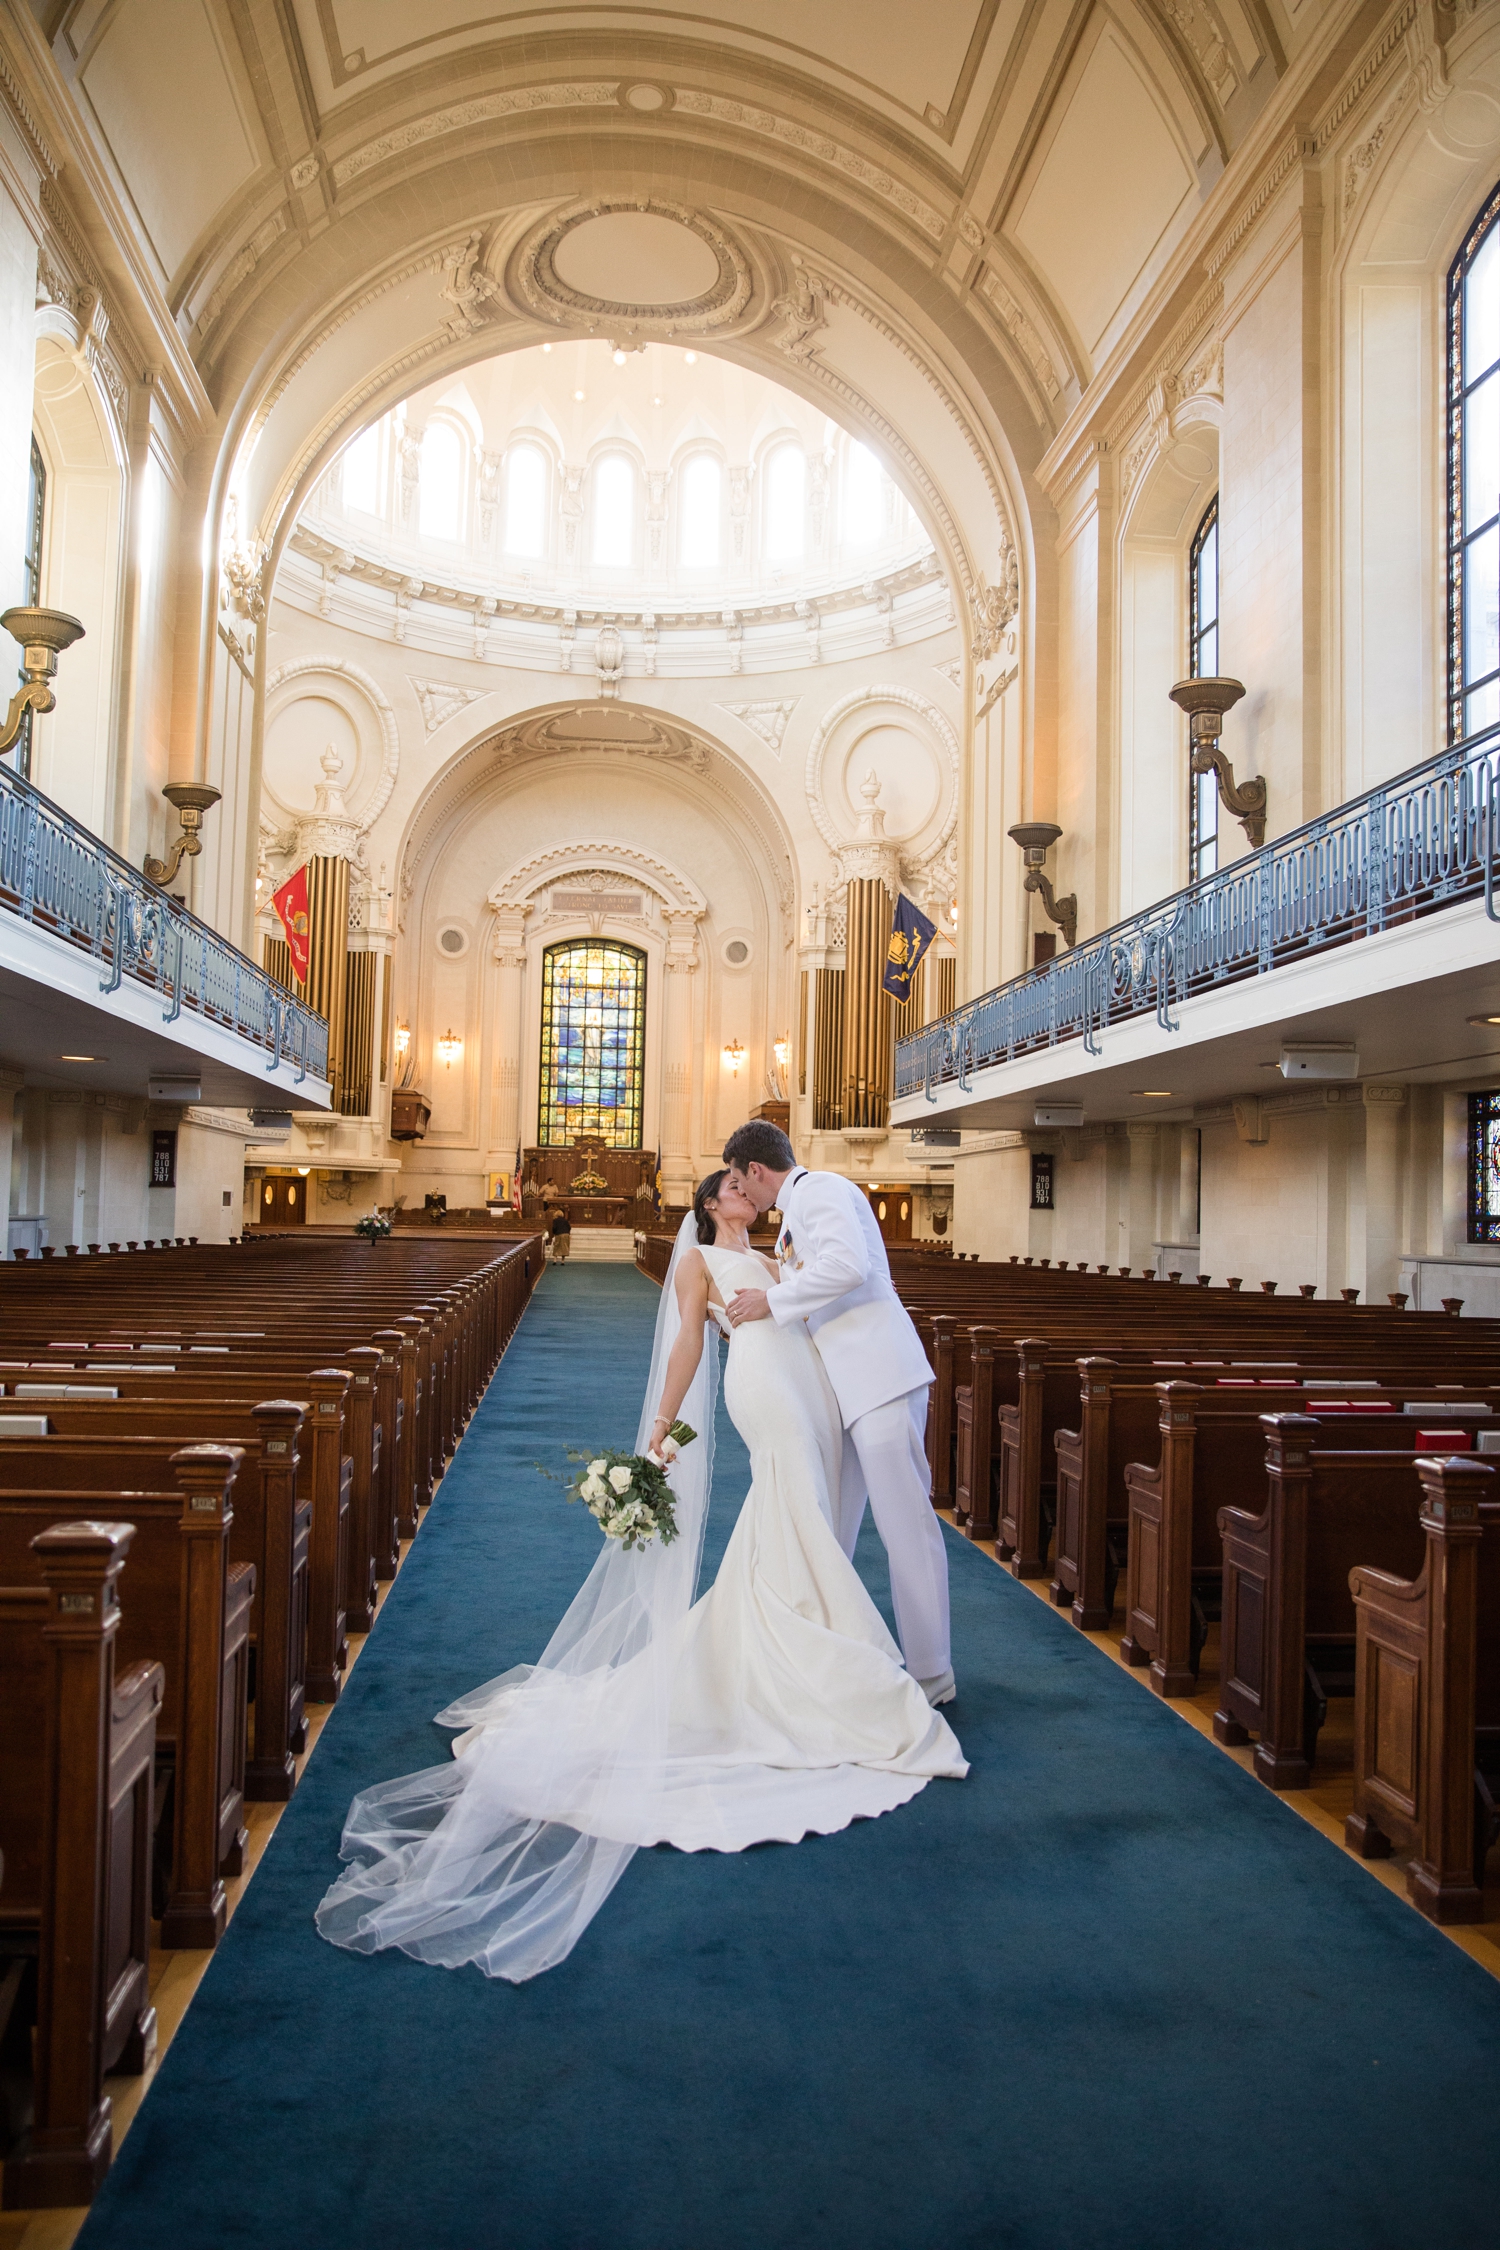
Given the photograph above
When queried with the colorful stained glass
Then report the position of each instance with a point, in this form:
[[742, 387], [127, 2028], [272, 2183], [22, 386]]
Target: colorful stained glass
[[593, 1043], [1484, 1167]]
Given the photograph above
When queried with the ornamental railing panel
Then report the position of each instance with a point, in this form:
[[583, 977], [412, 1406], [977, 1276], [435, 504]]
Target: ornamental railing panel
[[61, 879], [1419, 843]]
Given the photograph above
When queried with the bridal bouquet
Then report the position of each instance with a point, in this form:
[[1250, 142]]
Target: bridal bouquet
[[627, 1494]]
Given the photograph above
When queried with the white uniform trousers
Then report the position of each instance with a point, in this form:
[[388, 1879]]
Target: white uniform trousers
[[885, 1461]]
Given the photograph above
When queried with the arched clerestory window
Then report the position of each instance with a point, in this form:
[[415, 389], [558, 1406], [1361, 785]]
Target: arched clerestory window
[[1203, 663], [1474, 478]]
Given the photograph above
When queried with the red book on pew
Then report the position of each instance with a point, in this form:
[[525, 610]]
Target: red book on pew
[[1351, 1406], [1444, 1441]]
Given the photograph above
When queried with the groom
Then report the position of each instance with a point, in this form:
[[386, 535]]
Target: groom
[[835, 1276]]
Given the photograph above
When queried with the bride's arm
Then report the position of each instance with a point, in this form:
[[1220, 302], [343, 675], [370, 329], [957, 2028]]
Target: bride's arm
[[682, 1361]]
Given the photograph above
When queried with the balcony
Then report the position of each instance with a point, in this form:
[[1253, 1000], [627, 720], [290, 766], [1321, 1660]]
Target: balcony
[[97, 962], [1375, 925]]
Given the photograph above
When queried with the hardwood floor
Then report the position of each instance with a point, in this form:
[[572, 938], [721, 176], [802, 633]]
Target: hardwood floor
[[175, 1977], [1330, 1799]]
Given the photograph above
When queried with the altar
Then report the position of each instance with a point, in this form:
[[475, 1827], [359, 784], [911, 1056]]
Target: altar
[[596, 1185]]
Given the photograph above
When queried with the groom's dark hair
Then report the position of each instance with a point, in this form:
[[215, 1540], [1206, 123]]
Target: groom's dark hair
[[760, 1142]]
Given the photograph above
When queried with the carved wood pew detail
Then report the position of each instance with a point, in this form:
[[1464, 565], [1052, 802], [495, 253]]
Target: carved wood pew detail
[[77, 1755], [1427, 1696], [1020, 1537], [1287, 1610]]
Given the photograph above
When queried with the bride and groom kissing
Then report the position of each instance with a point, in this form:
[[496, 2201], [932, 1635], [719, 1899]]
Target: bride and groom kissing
[[776, 1705]]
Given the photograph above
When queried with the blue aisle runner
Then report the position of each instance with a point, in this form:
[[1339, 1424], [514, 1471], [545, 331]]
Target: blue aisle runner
[[1106, 1992]]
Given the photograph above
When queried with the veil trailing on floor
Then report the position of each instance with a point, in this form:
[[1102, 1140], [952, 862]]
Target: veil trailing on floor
[[503, 1855]]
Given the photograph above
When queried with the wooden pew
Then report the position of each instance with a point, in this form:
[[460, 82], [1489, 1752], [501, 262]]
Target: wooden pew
[[1287, 1611], [1427, 1696], [102, 1447], [190, 1611], [77, 1753]]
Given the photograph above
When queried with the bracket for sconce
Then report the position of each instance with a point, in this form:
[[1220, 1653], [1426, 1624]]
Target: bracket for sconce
[[192, 799], [43, 635], [1036, 838], [1205, 702]]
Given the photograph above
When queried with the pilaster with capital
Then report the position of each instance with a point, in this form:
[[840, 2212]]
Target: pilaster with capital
[[677, 1052], [510, 1019]]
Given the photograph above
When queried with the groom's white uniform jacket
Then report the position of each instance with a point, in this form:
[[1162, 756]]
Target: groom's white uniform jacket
[[836, 1277]]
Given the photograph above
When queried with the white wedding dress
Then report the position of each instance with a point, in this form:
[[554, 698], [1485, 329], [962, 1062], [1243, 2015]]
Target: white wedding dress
[[774, 1707]]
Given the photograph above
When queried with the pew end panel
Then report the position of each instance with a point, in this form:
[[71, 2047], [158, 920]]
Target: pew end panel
[[1427, 1696]]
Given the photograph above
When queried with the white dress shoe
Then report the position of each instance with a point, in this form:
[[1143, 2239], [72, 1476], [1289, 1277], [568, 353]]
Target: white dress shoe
[[941, 1690]]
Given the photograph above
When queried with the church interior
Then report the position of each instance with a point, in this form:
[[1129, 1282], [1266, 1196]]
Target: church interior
[[580, 575]]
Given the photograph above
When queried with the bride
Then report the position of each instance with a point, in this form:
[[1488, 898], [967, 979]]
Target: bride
[[775, 1707]]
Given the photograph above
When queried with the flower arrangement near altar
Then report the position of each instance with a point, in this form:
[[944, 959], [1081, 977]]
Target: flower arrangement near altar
[[627, 1494], [373, 1226]]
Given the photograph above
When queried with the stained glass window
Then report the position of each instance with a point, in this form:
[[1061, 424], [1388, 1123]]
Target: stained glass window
[[1484, 1167], [593, 1042], [1474, 480], [1203, 664]]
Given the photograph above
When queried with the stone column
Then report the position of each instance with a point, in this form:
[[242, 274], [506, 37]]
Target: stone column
[[510, 1028], [680, 966], [870, 868], [1385, 1120]]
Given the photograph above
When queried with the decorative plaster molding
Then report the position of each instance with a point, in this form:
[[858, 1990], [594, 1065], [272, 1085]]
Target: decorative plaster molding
[[678, 893], [722, 111], [907, 699], [483, 110], [952, 671], [767, 721], [390, 738], [242, 265], [541, 291], [1022, 330], [441, 700]]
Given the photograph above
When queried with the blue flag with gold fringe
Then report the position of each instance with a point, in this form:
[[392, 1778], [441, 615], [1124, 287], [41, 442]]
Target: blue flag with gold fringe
[[911, 934]]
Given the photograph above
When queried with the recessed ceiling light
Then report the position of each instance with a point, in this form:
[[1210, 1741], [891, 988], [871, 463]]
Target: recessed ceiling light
[[619, 358], [546, 347], [1152, 1093], [656, 402], [78, 1058], [691, 358], [1482, 1020], [578, 395]]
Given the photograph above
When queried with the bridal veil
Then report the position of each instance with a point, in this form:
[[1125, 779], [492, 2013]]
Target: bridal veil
[[503, 1855]]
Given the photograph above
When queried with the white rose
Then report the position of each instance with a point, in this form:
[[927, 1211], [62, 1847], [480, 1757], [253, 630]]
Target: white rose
[[597, 1468], [619, 1477], [591, 1489]]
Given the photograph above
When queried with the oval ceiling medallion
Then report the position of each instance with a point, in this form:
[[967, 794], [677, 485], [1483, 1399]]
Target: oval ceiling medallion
[[632, 266], [635, 257]]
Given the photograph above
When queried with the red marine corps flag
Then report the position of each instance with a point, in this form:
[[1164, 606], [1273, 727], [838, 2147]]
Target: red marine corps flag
[[290, 903]]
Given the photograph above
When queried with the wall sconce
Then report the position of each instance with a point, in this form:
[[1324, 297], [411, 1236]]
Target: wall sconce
[[782, 1049], [403, 1038], [449, 1048], [1205, 702], [734, 1055], [1036, 838], [43, 635], [191, 799]]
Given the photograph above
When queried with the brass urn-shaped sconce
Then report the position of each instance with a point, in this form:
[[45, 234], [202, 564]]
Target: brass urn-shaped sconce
[[1205, 702], [191, 800], [43, 635], [1036, 838]]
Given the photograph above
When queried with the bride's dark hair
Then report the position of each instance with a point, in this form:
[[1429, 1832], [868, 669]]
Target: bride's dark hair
[[707, 1189]]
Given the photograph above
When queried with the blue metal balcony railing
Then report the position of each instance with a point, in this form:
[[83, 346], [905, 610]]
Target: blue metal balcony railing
[[57, 876], [1424, 841]]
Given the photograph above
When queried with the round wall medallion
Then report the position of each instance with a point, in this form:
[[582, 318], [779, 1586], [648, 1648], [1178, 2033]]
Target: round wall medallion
[[736, 953], [453, 941], [646, 98], [629, 264]]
